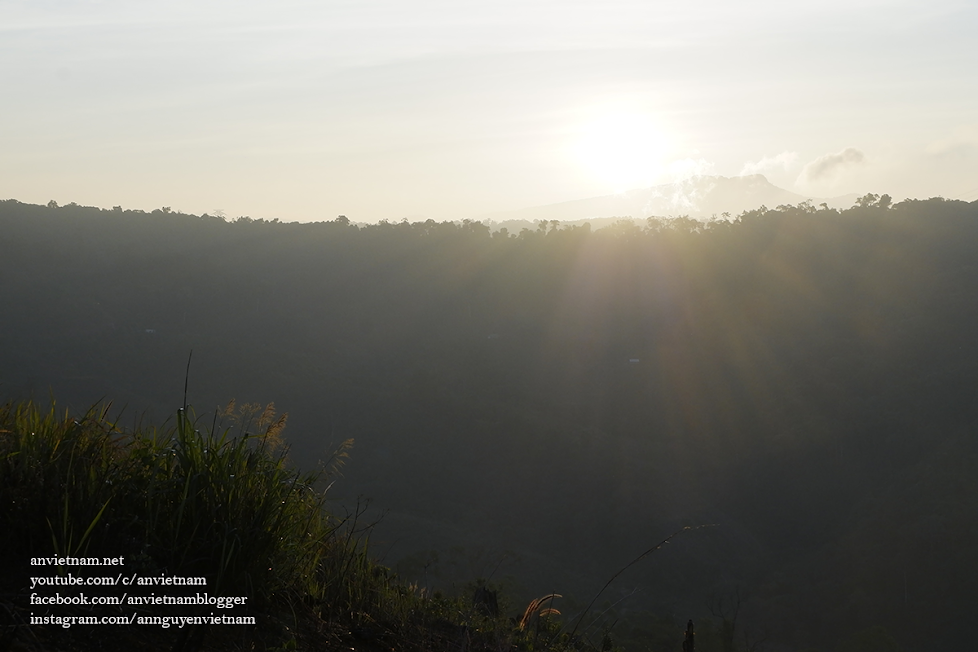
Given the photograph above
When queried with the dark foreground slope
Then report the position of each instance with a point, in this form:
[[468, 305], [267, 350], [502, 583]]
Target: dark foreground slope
[[554, 402], [188, 538]]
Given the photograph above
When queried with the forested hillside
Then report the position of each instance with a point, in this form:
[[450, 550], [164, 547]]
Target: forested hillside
[[543, 406]]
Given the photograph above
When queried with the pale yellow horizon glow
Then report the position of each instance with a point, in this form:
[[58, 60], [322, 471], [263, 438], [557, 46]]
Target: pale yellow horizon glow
[[378, 109]]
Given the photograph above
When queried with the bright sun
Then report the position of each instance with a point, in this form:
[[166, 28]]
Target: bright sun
[[622, 149]]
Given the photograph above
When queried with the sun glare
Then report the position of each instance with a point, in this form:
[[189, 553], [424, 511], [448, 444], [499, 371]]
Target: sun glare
[[622, 149]]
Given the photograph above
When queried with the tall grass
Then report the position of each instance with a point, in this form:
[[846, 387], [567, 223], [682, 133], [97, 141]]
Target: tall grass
[[175, 500], [189, 500], [183, 500]]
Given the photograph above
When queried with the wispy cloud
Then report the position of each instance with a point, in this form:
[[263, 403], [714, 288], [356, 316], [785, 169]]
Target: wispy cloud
[[685, 194], [783, 160], [829, 165]]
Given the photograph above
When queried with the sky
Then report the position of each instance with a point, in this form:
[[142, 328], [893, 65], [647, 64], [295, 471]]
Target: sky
[[382, 109]]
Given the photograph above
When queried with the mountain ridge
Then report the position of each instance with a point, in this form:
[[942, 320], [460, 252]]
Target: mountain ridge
[[700, 197]]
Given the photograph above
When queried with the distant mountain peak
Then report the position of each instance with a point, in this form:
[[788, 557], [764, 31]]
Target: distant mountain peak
[[700, 197]]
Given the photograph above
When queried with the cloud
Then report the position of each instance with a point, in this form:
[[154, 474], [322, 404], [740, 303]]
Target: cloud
[[783, 160], [830, 165], [683, 195]]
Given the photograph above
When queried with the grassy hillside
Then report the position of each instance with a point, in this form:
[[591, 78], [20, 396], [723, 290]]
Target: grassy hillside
[[181, 502]]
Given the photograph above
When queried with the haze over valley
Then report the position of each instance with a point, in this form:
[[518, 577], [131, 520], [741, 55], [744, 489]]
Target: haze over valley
[[537, 285], [538, 408]]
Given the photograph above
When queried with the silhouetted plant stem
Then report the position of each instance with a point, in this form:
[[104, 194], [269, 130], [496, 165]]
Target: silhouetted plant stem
[[645, 554]]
